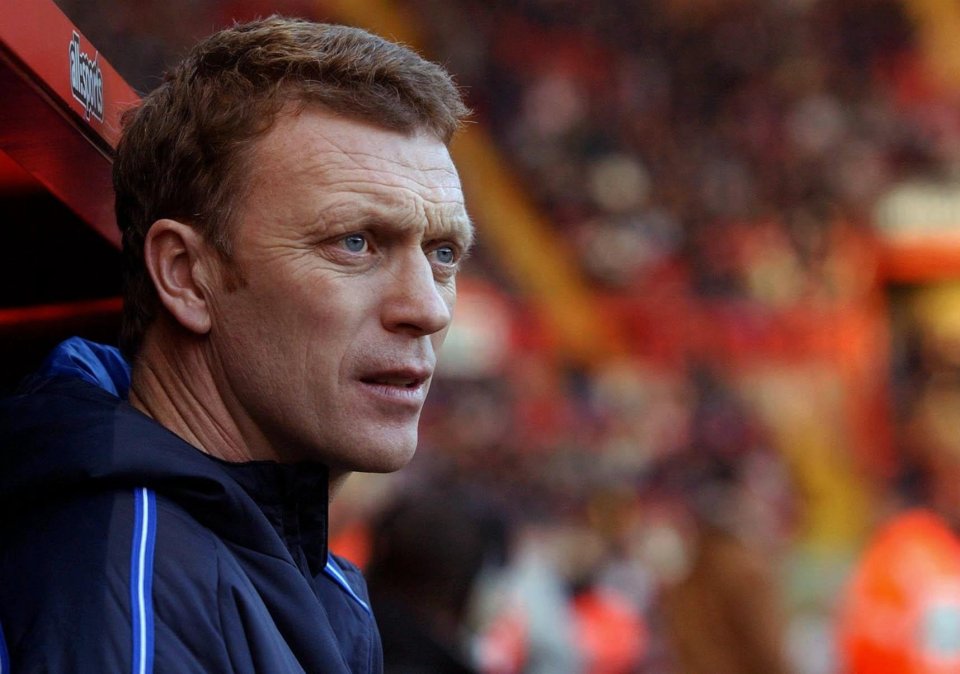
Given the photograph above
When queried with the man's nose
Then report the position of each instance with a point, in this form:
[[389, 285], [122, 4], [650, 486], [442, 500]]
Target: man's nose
[[414, 303]]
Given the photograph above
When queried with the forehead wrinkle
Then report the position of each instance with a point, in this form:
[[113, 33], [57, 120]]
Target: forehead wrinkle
[[363, 182], [355, 156], [385, 185], [355, 153], [374, 185], [383, 197], [415, 181], [326, 152]]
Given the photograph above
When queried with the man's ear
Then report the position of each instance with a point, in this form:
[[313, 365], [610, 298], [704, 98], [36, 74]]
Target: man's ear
[[175, 254]]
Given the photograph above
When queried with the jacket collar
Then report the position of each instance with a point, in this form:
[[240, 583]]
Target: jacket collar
[[295, 500]]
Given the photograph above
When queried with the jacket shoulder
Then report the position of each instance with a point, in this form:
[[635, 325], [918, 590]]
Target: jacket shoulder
[[101, 581]]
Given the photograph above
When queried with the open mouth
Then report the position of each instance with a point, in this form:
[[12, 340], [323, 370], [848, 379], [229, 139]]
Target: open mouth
[[396, 379], [397, 382]]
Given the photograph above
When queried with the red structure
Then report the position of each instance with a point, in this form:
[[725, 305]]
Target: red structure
[[60, 112]]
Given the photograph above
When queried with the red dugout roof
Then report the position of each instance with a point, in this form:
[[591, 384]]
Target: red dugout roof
[[60, 108]]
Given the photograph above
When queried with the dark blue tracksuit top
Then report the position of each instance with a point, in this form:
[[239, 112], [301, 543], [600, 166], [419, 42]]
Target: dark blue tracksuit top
[[125, 549]]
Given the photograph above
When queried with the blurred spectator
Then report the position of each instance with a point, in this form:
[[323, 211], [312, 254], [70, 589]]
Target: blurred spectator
[[720, 605], [429, 548], [901, 609], [721, 508], [527, 622], [611, 634]]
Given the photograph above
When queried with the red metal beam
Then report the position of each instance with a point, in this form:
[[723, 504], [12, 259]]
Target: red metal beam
[[60, 108], [54, 314]]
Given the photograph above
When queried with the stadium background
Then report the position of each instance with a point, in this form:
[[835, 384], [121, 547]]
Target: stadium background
[[717, 238]]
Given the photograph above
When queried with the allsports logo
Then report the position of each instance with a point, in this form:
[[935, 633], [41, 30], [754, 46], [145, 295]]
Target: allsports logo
[[86, 80]]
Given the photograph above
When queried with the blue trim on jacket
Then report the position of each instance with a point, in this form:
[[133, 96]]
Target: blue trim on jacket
[[333, 570], [4, 654], [141, 578]]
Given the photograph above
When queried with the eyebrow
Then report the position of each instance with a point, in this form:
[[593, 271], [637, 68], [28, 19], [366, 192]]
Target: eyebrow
[[453, 223], [471, 232]]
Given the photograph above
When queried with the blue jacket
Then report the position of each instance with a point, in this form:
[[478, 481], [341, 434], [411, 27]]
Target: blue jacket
[[125, 549]]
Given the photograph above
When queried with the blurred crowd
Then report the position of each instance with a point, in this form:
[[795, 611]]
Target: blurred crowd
[[743, 139], [736, 150], [646, 515]]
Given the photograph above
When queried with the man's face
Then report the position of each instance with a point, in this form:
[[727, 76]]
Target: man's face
[[348, 243]]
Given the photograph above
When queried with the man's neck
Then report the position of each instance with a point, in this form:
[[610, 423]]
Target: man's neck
[[173, 382]]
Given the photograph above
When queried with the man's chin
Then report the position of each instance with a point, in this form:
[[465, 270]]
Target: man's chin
[[383, 456], [389, 464]]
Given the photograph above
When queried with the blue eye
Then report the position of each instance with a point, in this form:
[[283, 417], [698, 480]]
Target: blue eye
[[445, 255], [355, 243]]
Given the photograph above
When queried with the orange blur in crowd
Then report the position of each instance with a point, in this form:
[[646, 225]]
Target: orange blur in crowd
[[901, 610]]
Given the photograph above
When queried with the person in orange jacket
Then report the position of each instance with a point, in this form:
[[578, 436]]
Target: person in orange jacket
[[900, 612]]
